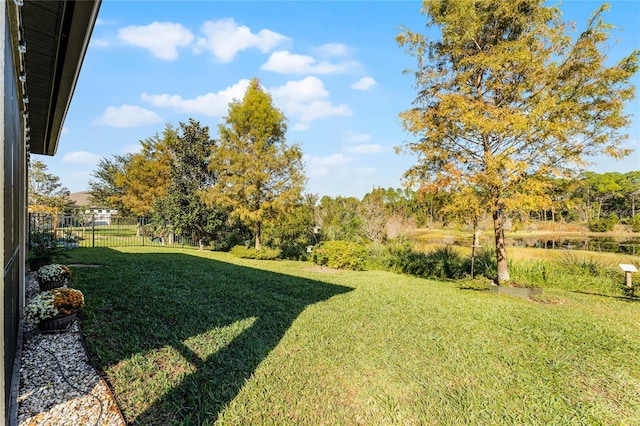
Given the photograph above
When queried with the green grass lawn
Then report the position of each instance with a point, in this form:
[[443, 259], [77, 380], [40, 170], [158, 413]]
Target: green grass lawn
[[189, 337]]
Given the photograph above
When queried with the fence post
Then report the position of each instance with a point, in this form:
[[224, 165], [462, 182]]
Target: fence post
[[143, 230], [93, 230]]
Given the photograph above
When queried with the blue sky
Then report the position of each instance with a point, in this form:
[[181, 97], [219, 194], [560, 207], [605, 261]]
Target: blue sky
[[332, 67]]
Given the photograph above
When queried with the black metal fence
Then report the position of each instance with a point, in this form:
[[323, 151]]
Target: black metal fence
[[100, 230]]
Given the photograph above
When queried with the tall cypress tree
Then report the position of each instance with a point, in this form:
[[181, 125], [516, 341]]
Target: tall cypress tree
[[257, 175], [507, 97]]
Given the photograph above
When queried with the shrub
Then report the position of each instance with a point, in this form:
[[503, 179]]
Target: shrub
[[43, 249], [635, 223], [294, 251], [226, 242], [446, 262], [377, 256], [443, 262], [251, 253], [581, 266], [485, 262], [603, 225], [341, 255], [479, 283], [401, 258], [570, 272]]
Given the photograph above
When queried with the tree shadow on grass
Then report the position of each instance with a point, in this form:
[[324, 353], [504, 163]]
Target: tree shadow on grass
[[218, 320], [627, 298]]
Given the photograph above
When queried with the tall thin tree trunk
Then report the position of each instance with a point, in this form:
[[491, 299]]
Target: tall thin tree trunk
[[258, 229], [501, 250]]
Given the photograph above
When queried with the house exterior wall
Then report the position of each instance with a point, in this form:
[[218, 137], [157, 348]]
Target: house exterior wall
[[13, 213]]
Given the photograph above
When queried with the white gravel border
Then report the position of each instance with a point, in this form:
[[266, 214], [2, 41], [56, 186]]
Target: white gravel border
[[58, 385]]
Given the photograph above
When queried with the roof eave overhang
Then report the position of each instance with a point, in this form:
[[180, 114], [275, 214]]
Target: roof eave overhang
[[52, 63]]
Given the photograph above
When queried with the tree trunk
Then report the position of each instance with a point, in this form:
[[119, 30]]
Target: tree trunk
[[501, 250], [258, 228]]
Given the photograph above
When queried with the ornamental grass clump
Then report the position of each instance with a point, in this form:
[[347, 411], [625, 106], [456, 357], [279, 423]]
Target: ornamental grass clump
[[54, 272], [50, 303]]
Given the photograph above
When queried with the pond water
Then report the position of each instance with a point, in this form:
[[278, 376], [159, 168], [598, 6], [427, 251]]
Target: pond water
[[621, 244], [602, 244]]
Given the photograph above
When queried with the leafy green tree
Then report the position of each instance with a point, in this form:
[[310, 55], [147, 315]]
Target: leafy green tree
[[294, 230], [144, 178], [506, 97], [563, 198], [630, 184], [257, 175], [103, 188], [338, 218], [182, 208], [602, 187], [45, 188]]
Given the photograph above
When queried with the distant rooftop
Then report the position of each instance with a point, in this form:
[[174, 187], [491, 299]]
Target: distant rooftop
[[81, 199]]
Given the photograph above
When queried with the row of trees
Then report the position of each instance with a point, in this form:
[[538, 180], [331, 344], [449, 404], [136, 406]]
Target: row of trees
[[389, 213], [510, 103], [585, 199], [382, 214], [193, 185]]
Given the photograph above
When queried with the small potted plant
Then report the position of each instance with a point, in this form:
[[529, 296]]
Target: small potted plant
[[54, 310], [42, 251], [53, 276]]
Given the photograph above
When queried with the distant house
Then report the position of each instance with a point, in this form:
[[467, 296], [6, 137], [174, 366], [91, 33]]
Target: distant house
[[83, 203]]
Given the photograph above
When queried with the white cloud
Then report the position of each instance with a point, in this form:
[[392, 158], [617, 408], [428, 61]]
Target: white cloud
[[81, 157], [161, 38], [285, 62], [306, 100], [211, 104], [99, 42], [365, 83], [365, 149], [302, 101], [322, 166], [225, 38], [104, 22], [356, 137], [332, 49], [302, 91], [128, 116]]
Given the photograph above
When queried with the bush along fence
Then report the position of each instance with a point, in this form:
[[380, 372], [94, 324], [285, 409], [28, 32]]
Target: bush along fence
[[95, 230]]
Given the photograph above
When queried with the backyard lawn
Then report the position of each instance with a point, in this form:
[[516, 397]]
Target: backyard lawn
[[190, 337]]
